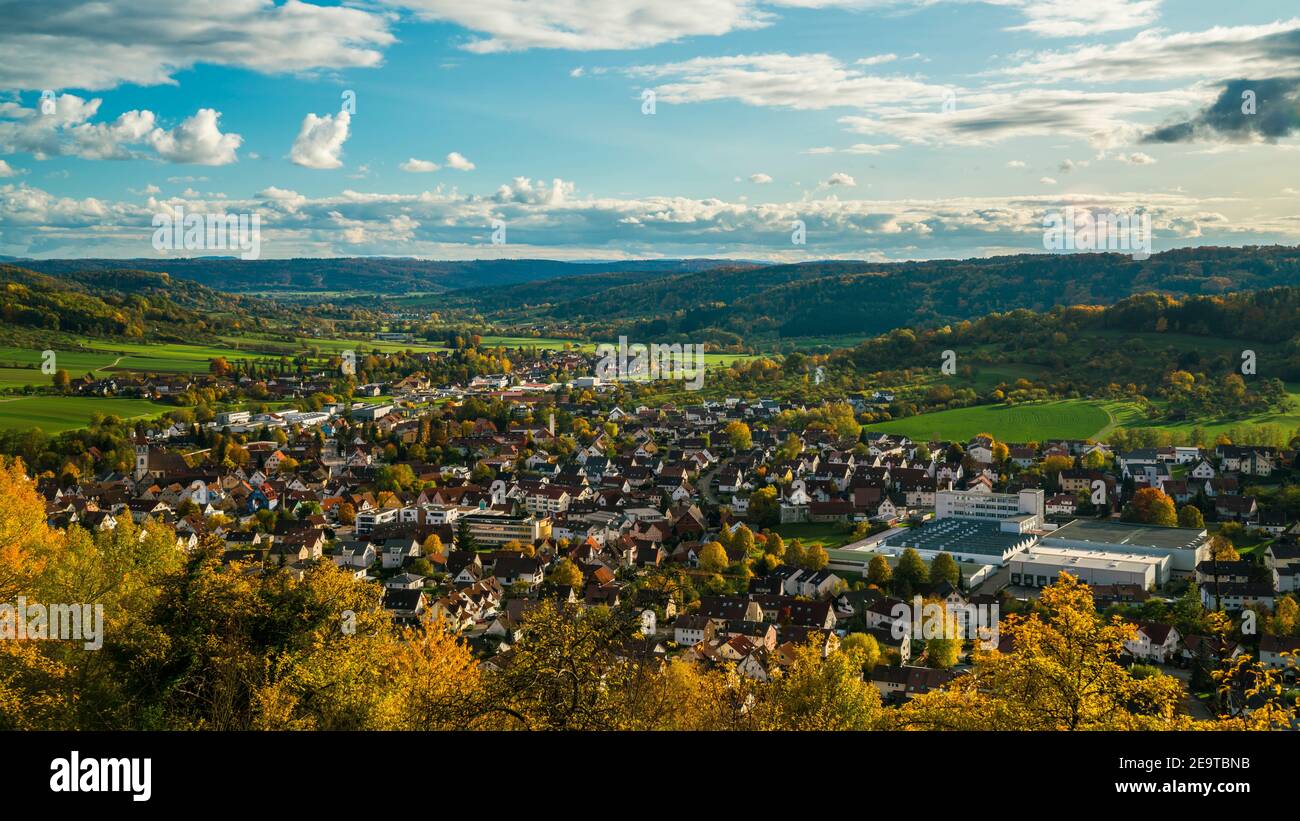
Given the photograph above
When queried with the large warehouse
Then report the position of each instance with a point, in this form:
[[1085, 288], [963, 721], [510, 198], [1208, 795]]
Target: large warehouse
[[968, 540], [1040, 566], [1185, 546]]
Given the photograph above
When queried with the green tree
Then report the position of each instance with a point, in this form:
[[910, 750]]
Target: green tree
[[1190, 516], [911, 574], [944, 568], [764, 506]]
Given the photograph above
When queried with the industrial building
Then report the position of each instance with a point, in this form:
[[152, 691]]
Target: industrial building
[[1025, 507], [1040, 566], [968, 540], [1185, 546]]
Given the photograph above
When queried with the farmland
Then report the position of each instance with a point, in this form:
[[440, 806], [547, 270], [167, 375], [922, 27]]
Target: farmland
[[1070, 419], [54, 414]]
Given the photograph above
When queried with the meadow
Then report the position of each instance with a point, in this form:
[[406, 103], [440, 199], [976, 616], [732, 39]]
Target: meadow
[[54, 414], [1030, 421]]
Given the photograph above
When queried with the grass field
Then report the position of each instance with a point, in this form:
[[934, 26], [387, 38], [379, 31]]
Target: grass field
[[1069, 419], [54, 414], [829, 535]]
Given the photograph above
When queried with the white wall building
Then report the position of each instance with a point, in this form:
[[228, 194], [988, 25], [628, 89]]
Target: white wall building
[[1040, 565]]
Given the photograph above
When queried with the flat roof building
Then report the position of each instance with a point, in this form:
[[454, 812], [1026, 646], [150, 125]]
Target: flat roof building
[[1040, 566], [1185, 546], [1026, 507], [970, 540]]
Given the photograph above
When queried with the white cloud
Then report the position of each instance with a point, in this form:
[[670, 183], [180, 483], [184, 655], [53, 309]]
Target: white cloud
[[1103, 118], [7, 170], [840, 178], [551, 219], [1070, 18], [67, 129], [587, 25], [457, 161], [197, 140], [760, 179], [1047, 181], [1221, 52], [100, 44], [794, 81], [414, 166], [320, 140], [1137, 158], [1016, 164]]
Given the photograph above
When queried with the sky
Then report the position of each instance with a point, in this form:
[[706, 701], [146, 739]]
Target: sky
[[786, 130]]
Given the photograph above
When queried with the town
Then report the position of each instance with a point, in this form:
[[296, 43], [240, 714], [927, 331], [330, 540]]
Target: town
[[727, 535]]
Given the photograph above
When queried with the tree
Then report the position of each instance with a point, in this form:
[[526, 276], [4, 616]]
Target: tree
[[879, 572], [911, 574], [742, 541], [764, 506], [432, 545], [1151, 505], [1190, 516], [943, 638], [713, 558], [944, 568], [775, 545], [863, 645], [738, 434], [1285, 620], [815, 558], [565, 574], [464, 538], [795, 554], [815, 693], [61, 379], [1062, 672]]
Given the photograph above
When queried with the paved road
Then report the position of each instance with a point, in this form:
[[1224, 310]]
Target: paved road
[[705, 483]]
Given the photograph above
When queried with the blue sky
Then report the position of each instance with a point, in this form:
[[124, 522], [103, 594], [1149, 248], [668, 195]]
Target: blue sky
[[827, 112]]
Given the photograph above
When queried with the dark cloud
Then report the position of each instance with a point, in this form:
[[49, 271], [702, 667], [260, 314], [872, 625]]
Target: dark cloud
[[1276, 115]]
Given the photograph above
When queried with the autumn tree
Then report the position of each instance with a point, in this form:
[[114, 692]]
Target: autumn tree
[[1061, 672], [1190, 516], [565, 574], [713, 558], [739, 436], [878, 571], [1151, 505]]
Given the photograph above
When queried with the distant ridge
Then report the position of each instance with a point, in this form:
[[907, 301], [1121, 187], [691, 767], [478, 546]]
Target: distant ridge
[[389, 275]]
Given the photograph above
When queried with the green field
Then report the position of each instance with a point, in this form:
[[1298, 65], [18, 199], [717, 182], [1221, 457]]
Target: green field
[[829, 535], [1069, 419], [54, 414]]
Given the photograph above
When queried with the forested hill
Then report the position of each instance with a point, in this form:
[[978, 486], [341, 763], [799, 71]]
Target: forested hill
[[385, 275], [123, 303], [741, 302]]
